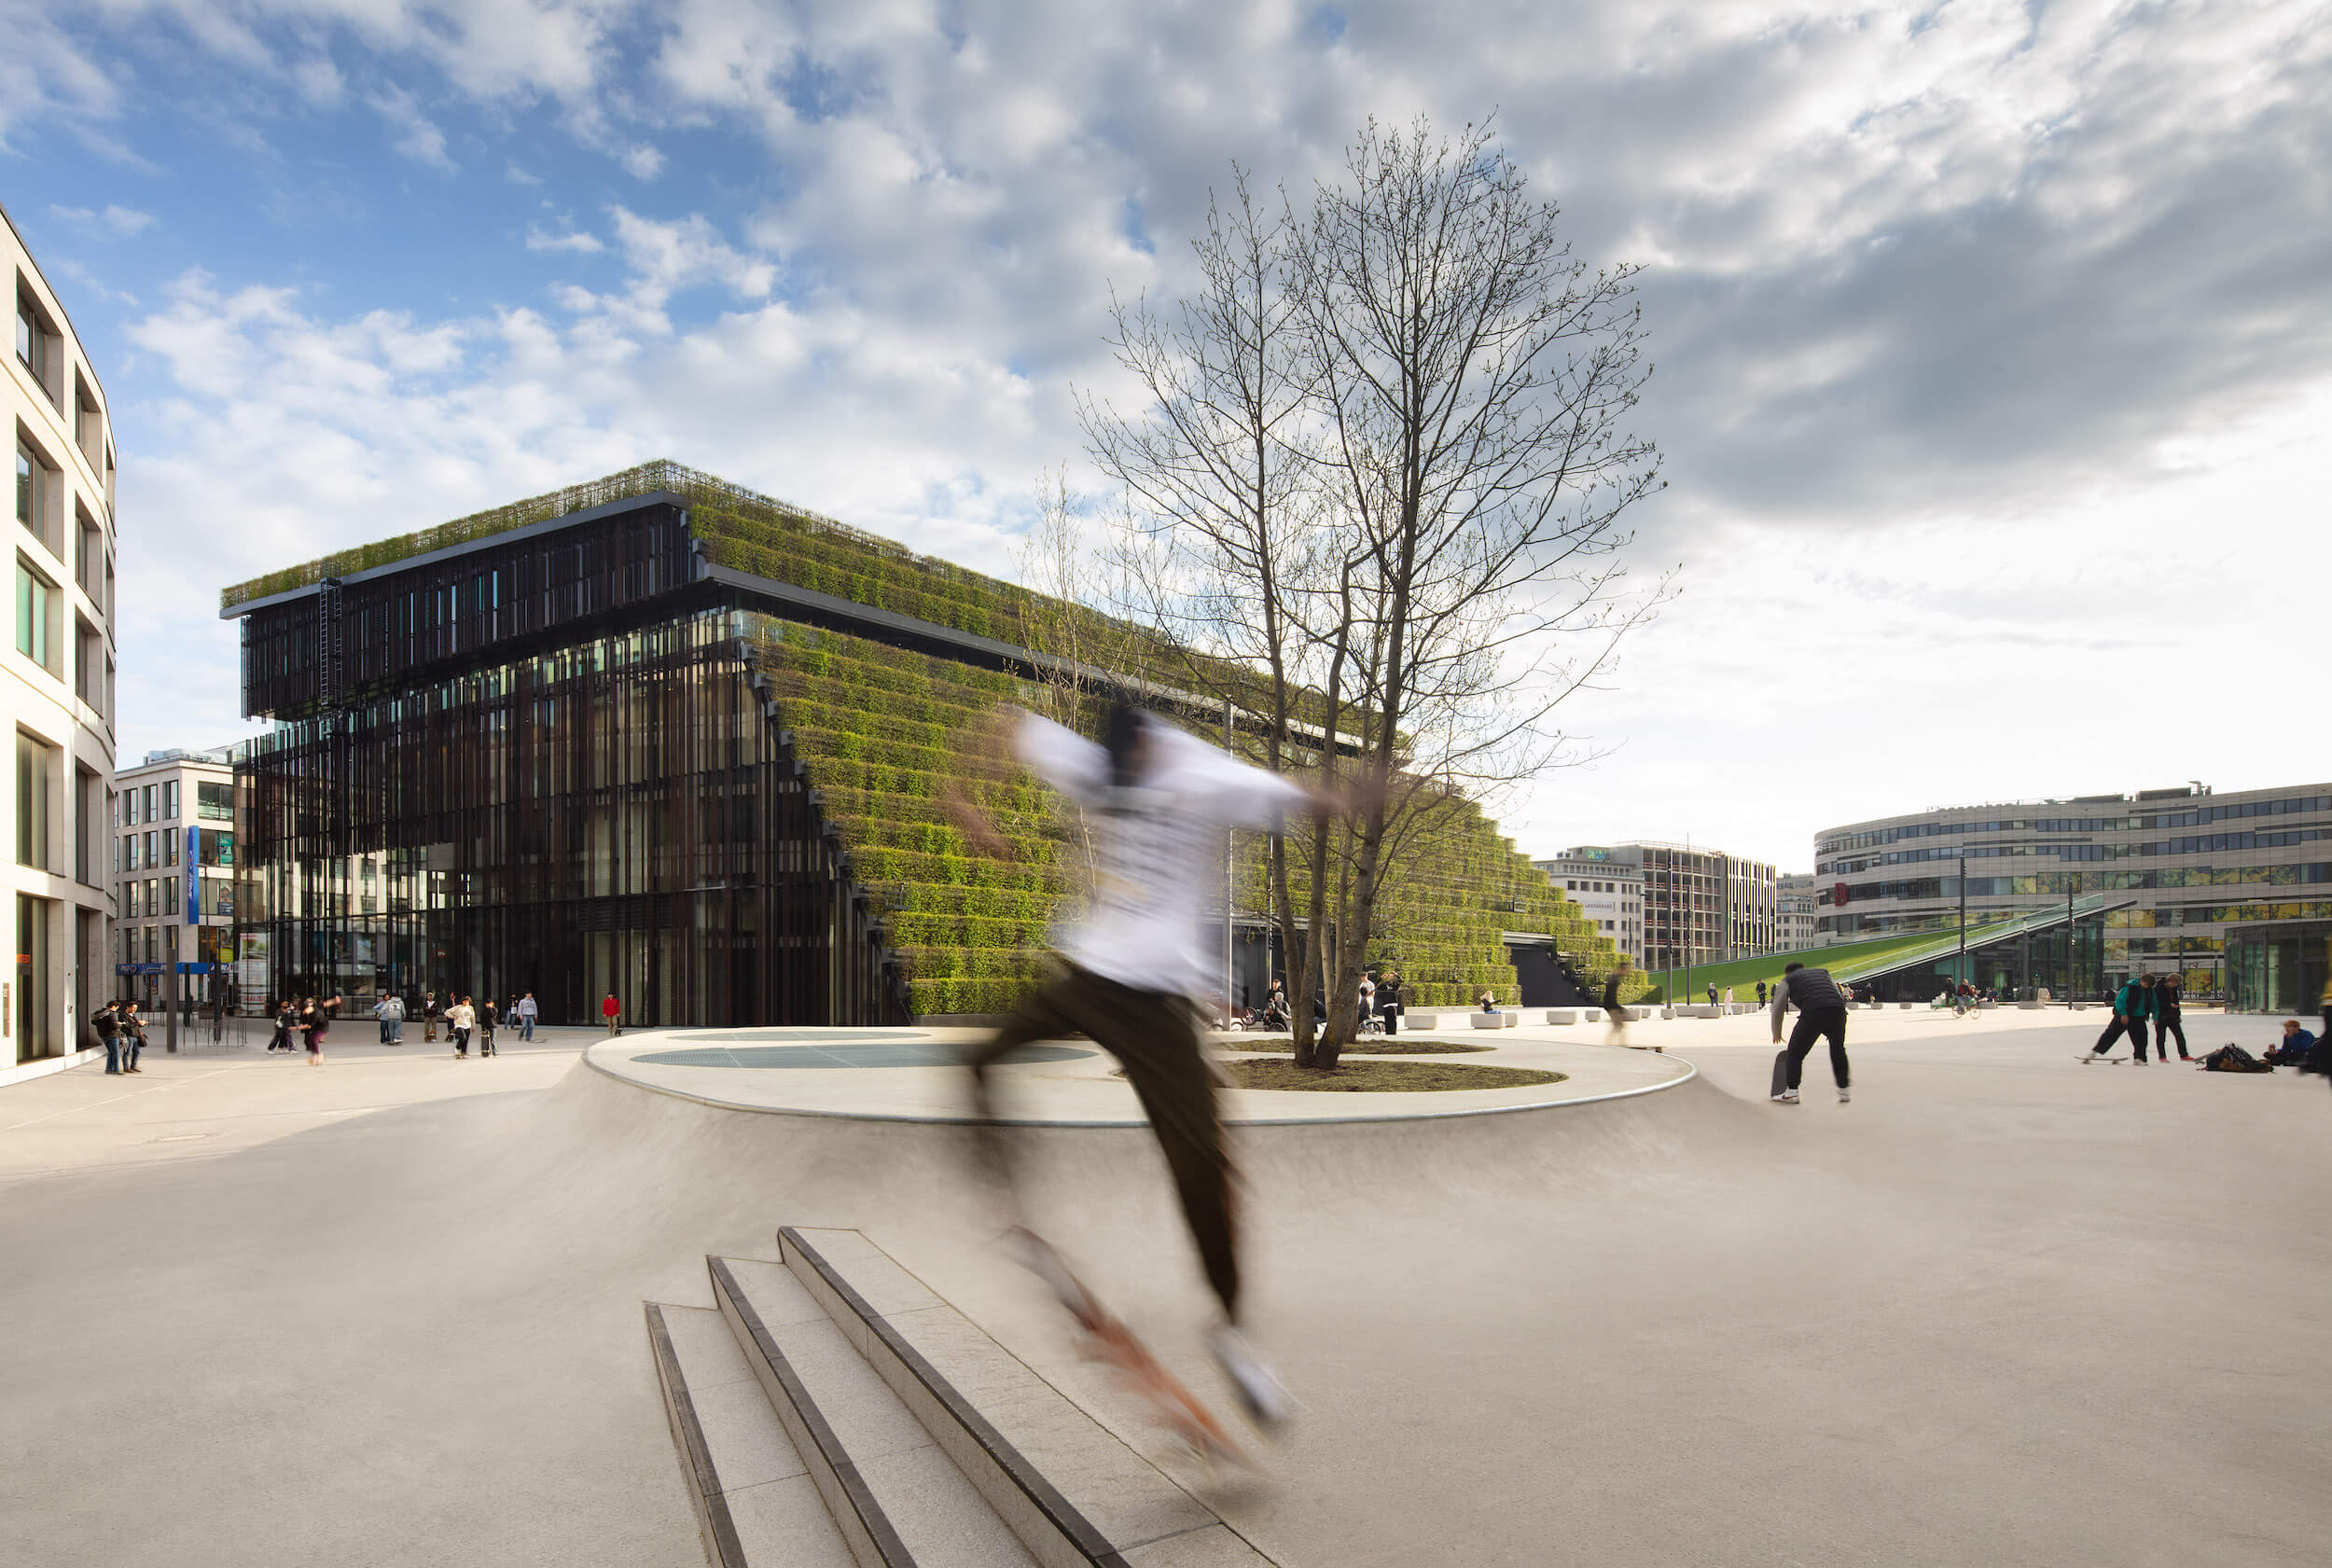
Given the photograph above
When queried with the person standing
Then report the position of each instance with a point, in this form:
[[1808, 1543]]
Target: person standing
[[1159, 799], [133, 1036], [1711, 994], [390, 1010], [486, 1021], [108, 1023], [1728, 999], [2130, 1010], [460, 1019], [1821, 1014], [1761, 996], [429, 1017], [526, 1012], [286, 1015], [1367, 995], [2169, 995], [1389, 1002], [611, 1010]]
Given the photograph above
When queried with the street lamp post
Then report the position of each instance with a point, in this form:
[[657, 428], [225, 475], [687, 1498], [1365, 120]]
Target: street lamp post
[[1963, 917]]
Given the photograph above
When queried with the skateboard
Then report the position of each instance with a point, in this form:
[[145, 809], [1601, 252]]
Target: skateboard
[[1108, 1340]]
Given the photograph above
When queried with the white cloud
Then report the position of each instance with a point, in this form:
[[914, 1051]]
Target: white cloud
[[581, 241], [419, 138], [115, 221], [641, 162]]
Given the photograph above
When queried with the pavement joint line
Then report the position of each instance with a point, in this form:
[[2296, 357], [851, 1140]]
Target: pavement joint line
[[149, 1089]]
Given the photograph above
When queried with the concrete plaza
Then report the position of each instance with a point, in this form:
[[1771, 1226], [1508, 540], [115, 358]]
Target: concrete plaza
[[2002, 1307]]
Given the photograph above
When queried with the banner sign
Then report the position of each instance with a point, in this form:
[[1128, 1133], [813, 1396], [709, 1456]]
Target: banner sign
[[194, 876]]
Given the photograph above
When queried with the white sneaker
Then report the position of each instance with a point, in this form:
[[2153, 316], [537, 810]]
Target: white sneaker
[[1787, 1097], [1267, 1400], [1844, 1094]]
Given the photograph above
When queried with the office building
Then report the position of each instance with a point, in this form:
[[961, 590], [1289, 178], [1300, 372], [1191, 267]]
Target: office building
[[2231, 888], [663, 737], [1796, 908], [59, 693], [1700, 905], [1608, 890], [174, 869]]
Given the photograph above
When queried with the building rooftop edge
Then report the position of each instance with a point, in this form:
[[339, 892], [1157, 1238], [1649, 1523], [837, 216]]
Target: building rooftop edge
[[26, 246], [2158, 802]]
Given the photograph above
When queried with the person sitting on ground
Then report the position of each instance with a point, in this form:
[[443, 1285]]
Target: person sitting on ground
[[2294, 1048]]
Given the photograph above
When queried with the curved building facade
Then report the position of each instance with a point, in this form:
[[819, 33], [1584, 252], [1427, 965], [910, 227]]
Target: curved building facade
[[60, 683], [2198, 869]]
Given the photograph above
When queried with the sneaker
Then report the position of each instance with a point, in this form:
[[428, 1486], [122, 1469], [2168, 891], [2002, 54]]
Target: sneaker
[[1844, 1094], [1260, 1391], [1787, 1097]]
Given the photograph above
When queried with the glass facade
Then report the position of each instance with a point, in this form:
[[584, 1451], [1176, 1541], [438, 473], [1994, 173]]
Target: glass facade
[[551, 769], [2280, 966]]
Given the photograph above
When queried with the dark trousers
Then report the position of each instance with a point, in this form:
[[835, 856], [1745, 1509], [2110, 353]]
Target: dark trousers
[[2165, 1026], [1391, 1013], [1814, 1025], [1154, 1035], [2133, 1027]]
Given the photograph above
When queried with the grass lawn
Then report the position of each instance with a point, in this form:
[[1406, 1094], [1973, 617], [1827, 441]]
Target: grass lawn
[[1360, 1077], [1397, 1046]]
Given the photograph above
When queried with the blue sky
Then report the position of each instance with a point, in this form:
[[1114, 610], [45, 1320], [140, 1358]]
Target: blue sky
[[1993, 345]]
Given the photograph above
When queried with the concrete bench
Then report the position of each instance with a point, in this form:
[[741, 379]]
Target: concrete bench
[[1495, 1020], [1986, 1007], [1668, 1012], [1593, 1015], [1562, 1015], [2032, 1007]]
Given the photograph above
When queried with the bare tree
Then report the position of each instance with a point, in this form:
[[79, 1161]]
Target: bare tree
[[1221, 509], [1470, 378]]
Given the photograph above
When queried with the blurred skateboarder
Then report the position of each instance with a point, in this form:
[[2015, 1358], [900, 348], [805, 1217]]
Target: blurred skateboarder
[[1158, 801]]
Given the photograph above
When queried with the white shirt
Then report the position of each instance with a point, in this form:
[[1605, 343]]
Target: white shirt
[[461, 1016], [1158, 847]]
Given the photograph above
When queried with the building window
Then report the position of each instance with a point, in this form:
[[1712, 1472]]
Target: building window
[[89, 559], [170, 800], [37, 344], [34, 759], [213, 801], [170, 848], [151, 815], [35, 618], [89, 425], [38, 491], [88, 665], [32, 1038]]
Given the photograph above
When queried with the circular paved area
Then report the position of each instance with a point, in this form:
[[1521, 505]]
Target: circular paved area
[[916, 1075]]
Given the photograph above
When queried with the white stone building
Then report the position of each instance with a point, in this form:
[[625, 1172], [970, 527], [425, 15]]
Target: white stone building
[[1797, 904], [1608, 890], [59, 691]]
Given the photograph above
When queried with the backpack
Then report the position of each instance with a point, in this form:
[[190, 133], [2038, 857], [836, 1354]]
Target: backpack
[[2233, 1059]]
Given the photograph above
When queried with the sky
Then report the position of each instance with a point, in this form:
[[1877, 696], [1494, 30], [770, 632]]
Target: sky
[[1992, 343]]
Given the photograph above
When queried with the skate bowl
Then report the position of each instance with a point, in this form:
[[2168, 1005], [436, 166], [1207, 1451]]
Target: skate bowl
[[1564, 1329]]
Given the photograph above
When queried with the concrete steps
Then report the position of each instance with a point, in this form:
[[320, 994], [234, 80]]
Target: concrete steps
[[832, 1409]]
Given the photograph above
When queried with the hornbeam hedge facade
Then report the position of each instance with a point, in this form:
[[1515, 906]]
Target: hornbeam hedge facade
[[661, 736]]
